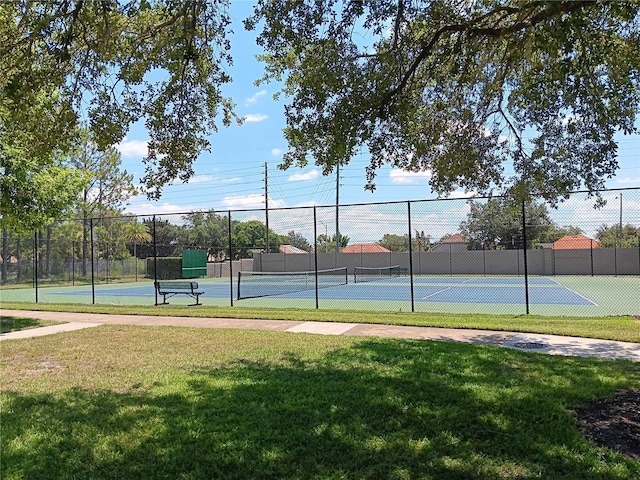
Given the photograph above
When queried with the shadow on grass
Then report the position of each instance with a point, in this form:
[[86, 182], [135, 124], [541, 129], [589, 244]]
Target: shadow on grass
[[14, 324], [377, 409]]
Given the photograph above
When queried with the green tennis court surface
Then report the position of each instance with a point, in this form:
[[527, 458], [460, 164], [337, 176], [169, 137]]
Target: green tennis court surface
[[582, 296]]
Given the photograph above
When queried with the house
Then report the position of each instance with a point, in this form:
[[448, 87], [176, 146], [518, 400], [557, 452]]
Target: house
[[453, 243], [291, 249], [365, 248], [575, 242]]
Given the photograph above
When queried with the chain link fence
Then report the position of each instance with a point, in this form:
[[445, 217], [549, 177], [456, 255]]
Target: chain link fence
[[483, 255]]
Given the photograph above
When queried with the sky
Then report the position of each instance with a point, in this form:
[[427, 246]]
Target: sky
[[232, 175]]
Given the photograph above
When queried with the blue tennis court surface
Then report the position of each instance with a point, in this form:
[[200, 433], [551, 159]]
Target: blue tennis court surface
[[466, 290]]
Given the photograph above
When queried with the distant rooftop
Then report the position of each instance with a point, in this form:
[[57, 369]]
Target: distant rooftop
[[365, 248], [291, 249], [575, 242]]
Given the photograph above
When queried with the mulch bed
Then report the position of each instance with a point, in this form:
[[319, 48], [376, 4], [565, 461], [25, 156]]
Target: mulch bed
[[613, 422]]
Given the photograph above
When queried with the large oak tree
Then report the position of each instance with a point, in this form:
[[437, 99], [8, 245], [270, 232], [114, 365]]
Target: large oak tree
[[449, 86], [457, 87], [112, 63]]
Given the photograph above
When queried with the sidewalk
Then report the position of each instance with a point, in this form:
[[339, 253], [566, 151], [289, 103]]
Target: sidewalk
[[550, 344]]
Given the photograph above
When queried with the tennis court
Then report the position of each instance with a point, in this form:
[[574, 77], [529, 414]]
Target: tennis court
[[575, 296]]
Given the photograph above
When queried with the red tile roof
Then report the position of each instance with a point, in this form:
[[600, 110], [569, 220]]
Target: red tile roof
[[574, 242], [455, 238], [365, 248], [291, 249]]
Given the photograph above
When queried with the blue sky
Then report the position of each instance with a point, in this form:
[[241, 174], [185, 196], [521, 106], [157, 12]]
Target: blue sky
[[232, 176]]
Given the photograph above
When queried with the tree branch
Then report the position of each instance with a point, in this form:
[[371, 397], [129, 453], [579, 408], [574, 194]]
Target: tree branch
[[554, 10]]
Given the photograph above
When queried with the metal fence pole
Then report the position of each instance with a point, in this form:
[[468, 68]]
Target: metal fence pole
[[231, 261], [315, 252], [526, 271], [35, 263], [93, 276], [155, 259], [410, 257]]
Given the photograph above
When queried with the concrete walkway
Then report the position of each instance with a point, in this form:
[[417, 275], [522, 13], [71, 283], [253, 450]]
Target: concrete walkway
[[550, 344]]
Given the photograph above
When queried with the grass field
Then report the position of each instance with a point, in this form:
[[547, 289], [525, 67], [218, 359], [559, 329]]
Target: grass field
[[622, 328], [157, 402]]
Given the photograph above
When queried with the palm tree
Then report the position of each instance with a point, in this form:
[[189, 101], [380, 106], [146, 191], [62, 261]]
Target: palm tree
[[135, 233]]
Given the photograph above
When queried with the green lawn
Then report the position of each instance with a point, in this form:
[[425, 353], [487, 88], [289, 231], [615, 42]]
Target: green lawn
[[180, 403], [622, 328]]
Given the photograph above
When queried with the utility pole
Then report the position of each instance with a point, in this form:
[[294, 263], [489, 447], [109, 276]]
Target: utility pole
[[266, 205]]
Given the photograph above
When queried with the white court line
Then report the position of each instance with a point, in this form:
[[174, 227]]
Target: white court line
[[445, 289]]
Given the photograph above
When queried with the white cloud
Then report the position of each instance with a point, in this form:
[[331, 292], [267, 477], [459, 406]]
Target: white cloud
[[255, 117], [132, 148], [628, 181], [200, 179], [254, 98], [403, 177], [461, 194], [304, 177], [276, 152], [148, 209], [254, 200]]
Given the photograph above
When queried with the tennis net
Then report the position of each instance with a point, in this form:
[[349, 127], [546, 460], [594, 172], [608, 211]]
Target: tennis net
[[264, 284], [370, 274]]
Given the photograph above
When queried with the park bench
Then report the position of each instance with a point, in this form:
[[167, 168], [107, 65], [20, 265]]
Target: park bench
[[169, 289]]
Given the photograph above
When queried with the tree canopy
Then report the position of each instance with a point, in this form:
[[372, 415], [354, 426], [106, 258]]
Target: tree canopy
[[114, 63], [487, 95], [456, 88], [497, 223]]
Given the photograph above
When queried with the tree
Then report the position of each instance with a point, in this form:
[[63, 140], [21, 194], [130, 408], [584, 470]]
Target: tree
[[206, 230], [613, 236], [166, 239], [498, 224], [455, 87], [33, 191], [251, 235], [135, 232], [106, 187], [297, 240], [421, 242], [103, 58], [395, 243], [328, 243]]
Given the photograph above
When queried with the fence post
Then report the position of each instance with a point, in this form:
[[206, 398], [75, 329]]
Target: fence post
[[231, 260], [155, 259], [315, 252], [35, 262], [93, 276], [526, 271], [410, 257]]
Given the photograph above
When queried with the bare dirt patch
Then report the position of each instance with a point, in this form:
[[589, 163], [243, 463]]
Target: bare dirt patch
[[613, 422]]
